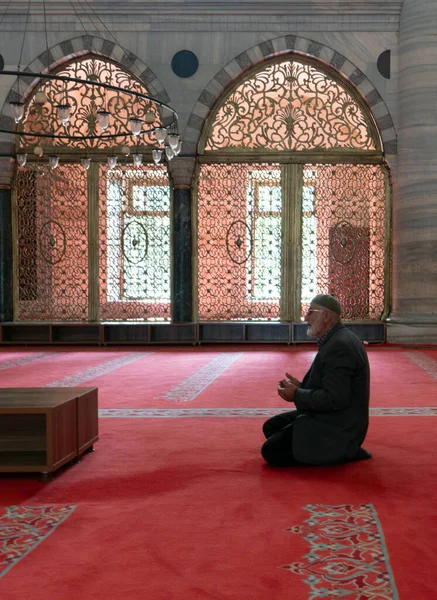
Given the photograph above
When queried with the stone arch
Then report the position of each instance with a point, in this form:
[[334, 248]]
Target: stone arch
[[79, 46], [282, 46]]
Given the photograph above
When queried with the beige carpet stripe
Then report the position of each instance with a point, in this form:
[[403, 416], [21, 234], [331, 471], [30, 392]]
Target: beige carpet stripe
[[25, 360], [424, 361], [194, 384], [99, 370]]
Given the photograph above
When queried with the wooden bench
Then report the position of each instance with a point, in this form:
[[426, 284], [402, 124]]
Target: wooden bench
[[42, 429]]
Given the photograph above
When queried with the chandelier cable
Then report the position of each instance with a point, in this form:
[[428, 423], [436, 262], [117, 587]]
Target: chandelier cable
[[133, 125], [6, 12], [46, 34], [24, 35], [21, 50], [88, 5]]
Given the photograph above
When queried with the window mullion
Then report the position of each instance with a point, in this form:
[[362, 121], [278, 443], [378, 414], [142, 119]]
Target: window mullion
[[93, 242], [291, 182]]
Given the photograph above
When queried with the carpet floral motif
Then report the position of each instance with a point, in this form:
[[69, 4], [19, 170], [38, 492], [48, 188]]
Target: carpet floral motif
[[22, 528], [347, 556]]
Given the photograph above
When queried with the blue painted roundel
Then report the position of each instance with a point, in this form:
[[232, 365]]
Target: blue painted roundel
[[184, 63]]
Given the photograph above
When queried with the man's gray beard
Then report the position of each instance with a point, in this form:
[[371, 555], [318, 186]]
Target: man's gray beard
[[309, 334]]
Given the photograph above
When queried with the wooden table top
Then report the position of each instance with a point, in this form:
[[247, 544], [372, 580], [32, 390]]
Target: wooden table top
[[39, 398]]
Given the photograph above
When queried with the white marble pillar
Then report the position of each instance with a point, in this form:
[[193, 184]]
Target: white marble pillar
[[414, 291]]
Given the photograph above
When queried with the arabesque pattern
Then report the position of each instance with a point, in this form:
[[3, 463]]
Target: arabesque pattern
[[22, 528], [85, 101], [347, 555], [343, 235], [290, 105], [239, 242], [52, 243], [134, 249]]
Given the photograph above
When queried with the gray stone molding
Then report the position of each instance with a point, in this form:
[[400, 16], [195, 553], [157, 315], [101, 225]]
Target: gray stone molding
[[181, 169], [408, 333], [6, 170], [414, 243], [282, 46]]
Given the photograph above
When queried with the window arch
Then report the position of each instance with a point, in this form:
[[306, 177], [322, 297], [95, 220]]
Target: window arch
[[293, 183], [91, 244], [291, 105], [85, 102]]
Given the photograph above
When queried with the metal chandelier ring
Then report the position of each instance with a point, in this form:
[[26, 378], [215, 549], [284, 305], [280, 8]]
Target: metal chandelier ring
[[99, 84]]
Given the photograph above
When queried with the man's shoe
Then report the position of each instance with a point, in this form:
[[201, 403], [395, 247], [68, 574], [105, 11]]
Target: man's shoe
[[362, 454]]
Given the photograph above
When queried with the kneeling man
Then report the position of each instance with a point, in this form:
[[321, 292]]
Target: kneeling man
[[332, 402]]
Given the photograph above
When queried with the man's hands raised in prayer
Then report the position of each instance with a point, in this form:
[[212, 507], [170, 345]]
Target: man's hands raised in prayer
[[287, 387]]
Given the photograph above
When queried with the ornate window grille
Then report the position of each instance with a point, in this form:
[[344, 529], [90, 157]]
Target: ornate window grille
[[91, 245], [292, 176], [134, 227]]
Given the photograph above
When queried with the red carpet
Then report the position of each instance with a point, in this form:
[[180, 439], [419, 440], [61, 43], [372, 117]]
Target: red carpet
[[185, 508]]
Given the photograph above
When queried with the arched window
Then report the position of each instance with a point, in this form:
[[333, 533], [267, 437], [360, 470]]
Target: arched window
[[91, 244], [291, 198]]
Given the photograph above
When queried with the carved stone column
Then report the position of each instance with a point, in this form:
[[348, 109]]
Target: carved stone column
[[414, 292], [6, 292], [181, 171]]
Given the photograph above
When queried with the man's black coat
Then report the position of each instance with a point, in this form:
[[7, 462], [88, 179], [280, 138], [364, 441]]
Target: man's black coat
[[333, 402]]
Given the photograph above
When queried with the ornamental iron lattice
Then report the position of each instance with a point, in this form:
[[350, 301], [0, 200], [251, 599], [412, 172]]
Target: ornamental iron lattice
[[52, 243], [291, 105], [343, 237], [239, 242], [85, 101], [242, 217], [134, 234]]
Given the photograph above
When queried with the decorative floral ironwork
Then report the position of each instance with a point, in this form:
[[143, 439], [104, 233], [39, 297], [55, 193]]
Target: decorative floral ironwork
[[134, 232], [52, 238], [52, 241], [290, 105], [343, 236], [239, 242], [133, 237], [344, 242], [85, 101]]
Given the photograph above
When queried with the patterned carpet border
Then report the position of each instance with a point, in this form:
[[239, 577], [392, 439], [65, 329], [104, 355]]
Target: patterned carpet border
[[174, 413], [347, 555], [22, 528]]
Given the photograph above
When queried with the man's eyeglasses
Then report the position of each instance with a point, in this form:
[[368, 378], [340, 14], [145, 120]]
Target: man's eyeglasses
[[311, 310]]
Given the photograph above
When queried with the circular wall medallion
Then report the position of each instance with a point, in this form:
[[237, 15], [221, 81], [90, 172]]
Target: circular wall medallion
[[184, 63]]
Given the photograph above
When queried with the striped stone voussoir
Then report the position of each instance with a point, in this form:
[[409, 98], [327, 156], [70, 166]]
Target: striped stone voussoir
[[281, 46], [75, 47]]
